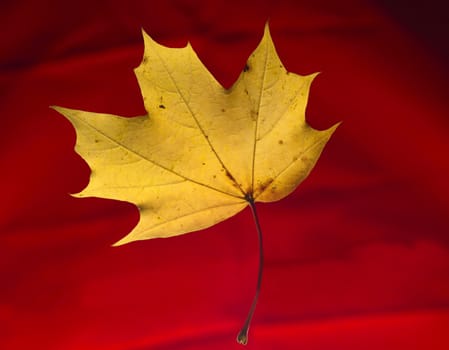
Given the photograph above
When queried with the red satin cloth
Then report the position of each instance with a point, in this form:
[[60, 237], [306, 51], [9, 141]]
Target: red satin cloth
[[356, 258]]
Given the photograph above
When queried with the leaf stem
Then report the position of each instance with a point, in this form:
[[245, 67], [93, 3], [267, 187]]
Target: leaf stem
[[242, 337]]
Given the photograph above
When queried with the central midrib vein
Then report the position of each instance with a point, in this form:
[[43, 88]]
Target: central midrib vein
[[256, 127]]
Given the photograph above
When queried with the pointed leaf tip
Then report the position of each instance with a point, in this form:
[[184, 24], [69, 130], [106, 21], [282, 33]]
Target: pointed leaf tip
[[266, 30]]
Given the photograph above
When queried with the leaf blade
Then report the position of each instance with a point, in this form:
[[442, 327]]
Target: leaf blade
[[202, 152]]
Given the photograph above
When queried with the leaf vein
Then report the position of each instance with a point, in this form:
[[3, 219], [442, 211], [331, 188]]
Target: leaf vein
[[200, 128], [136, 153], [256, 127], [192, 213], [290, 164]]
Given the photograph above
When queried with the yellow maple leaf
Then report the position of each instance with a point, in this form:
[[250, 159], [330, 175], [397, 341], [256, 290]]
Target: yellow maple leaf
[[202, 153]]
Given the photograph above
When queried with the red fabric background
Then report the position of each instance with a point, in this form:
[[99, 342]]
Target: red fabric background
[[356, 258]]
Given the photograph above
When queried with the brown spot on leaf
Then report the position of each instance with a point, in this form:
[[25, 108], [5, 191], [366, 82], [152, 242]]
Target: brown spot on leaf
[[223, 110], [262, 185], [161, 106], [253, 115], [246, 68], [229, 176], [281, 142]]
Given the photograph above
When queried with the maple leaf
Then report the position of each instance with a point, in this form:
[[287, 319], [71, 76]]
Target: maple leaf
[[202, 153]]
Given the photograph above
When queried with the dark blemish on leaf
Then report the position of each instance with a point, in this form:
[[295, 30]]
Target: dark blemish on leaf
[[246, 68], [261, 186], [162, 106], [223, 110], [294, 159], [204, 163], [214, 176], [145, 59], [253, 115], [144, 207], [280, 142], [229, 176], [96, 141], [246, 92]]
